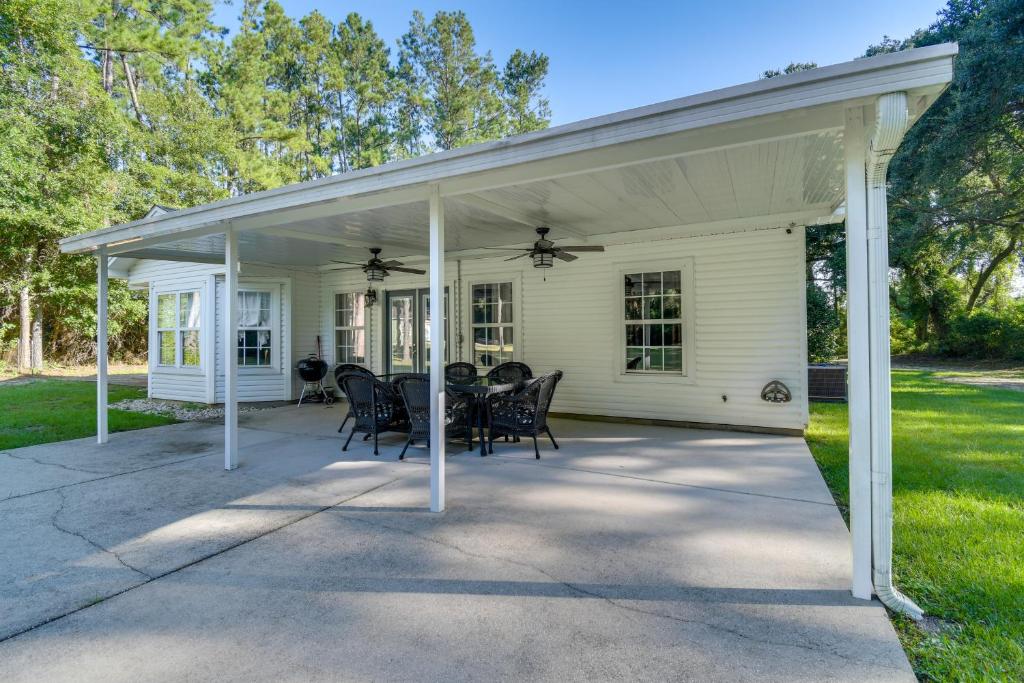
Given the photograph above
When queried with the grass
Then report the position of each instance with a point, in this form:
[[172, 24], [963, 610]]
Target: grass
[[41, 411], [958, 489]]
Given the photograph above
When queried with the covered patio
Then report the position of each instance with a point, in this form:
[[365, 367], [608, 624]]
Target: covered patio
[[724, 183], [634, 552]]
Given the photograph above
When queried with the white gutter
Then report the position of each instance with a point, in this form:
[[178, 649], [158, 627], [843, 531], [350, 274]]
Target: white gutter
[[891, 123]]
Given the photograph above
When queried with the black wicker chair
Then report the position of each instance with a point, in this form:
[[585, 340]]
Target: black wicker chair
[[348, 369], [511, 372], [460, 371], [415, 392], [375, 407], [524, 413]]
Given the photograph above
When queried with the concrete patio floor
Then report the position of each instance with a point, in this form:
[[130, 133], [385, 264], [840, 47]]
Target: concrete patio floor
[[631, 553]]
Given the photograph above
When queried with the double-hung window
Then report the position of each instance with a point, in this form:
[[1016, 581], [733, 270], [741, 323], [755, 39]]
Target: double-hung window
[[177, 329], [350, 328], [653, 322], [492, 323], [255, 331]]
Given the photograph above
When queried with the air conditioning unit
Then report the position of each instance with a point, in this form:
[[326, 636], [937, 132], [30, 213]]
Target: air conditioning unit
[[826, 382]]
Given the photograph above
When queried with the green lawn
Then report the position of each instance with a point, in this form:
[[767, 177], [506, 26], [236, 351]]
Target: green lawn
[[958, 488], [42, 411]]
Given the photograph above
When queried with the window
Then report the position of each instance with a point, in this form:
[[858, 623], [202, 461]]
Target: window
[[177, 325], [255, 335], [653, 322], [350, 328], [491, 321]]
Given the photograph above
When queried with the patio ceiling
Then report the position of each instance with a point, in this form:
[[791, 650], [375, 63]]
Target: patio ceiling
[[764, 153]]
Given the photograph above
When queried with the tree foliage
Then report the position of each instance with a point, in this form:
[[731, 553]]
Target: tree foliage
[[110, 106], [956, 194]]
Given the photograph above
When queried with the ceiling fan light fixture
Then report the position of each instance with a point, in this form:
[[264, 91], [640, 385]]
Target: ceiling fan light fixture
[[543, 259], [374, 273]]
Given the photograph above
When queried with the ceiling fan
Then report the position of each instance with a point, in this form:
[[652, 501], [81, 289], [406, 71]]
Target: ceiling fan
[[544, 251], [376, 269]]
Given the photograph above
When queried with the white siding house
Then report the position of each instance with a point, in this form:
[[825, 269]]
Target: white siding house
[[742, 325], [688, 298]]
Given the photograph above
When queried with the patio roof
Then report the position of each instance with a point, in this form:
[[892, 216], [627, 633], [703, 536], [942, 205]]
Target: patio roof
[[766, 152]]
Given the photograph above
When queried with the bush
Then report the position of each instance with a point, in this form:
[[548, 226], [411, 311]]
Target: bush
[[986, 334], [902, 339]]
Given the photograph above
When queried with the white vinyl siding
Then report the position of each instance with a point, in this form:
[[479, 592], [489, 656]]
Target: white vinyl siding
[[297, 329], [742, 326]]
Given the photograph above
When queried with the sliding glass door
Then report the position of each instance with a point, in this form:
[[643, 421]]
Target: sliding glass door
[[407, 335]]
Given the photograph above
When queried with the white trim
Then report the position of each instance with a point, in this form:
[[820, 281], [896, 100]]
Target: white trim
[[101, 345], [437, 384], [210, 340], [287, 327], [857, 354], [274, 326], [496, 277], [228, 320], [365, 327], [156, 367], [151, 356], [803, 360], [686, 267]]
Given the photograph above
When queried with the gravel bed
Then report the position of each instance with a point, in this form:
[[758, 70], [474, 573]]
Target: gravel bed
[[178, 411]]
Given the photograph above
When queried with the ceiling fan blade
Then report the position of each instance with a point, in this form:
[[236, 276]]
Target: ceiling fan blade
[[559, 254], [349, 263], [416, 271], [518, 256], [585, 247], [508, 248], [391, 264]]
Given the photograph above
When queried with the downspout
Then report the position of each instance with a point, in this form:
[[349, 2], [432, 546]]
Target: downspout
[[891, 123]]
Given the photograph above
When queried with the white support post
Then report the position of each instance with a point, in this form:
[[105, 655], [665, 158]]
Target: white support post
[[437, 385], [101, 345], [230, 352], [857, 352]]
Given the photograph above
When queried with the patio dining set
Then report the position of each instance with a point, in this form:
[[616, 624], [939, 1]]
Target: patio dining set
[[507, 402]]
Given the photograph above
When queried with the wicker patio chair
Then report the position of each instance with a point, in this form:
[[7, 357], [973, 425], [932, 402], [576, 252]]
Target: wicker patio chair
[[460, 371], [511, 371], [339, 372], [415, 392], [524, 413], [375, 407]]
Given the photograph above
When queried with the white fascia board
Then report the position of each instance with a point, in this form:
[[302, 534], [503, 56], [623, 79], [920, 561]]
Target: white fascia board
[[406, 181]]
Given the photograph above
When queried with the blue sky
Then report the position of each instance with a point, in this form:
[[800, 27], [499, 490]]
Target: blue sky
[[609, 56]]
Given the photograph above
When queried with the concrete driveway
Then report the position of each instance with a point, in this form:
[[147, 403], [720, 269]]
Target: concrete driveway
[[631, 553]]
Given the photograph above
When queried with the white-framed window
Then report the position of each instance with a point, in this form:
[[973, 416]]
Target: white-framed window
[[653, 331], [492, 323], [178, 316], [255, 329], [350, 327]]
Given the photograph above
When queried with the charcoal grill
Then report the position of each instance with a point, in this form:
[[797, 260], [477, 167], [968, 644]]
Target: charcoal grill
[[312, 371]]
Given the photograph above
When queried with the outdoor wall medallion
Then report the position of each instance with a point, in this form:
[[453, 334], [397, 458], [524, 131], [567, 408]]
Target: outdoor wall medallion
[[776, 392]]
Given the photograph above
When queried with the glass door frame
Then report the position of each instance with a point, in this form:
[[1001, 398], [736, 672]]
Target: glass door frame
[[420, 335]]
